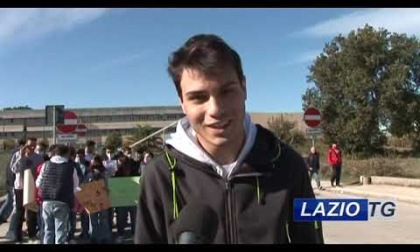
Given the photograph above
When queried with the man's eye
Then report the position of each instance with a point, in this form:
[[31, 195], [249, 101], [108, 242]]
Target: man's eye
[[198, 98], [228, 91]]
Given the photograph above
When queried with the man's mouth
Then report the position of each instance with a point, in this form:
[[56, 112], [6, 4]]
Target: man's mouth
[[220, 125]]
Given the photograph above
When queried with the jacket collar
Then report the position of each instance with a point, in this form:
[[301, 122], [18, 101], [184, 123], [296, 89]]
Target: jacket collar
[[259, 161]]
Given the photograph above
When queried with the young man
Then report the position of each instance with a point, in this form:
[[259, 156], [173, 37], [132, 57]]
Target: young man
[[218, 157], [313, 167], [58, 181], [8, 207], [24, 159], [334, 159]]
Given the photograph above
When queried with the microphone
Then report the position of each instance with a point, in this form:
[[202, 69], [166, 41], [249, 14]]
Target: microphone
[[197, 224]]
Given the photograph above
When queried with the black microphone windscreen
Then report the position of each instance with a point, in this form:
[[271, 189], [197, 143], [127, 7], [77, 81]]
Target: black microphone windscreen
[[197, 218]]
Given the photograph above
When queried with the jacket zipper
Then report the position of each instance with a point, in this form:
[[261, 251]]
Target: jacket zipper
[[229, 218]]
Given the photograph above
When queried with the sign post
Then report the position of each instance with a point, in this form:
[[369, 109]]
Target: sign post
[[312, 118], [53, 116]]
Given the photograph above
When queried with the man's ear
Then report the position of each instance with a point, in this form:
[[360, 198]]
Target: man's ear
[[243, 85]]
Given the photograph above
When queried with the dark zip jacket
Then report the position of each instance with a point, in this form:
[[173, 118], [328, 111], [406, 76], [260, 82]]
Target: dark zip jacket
[[254, 206]]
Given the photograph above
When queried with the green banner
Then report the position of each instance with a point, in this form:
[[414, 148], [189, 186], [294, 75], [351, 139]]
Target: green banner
[[124, 191]]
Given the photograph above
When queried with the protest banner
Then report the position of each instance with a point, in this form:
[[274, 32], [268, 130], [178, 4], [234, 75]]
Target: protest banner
[[124, 191], [94, 196], [29, 191]]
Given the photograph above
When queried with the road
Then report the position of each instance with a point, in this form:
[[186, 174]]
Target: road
[[403, 229]]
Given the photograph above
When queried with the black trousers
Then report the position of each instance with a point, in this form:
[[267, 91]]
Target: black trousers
[[336, 174], [20, 214], [32, 223], [31, 218]]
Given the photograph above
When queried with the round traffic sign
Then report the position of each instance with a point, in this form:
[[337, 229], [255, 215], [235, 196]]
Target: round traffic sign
[[312, 117], [70, 123], [81, 130]]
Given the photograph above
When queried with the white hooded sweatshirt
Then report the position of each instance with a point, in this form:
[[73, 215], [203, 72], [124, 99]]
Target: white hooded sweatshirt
[[185, 141]]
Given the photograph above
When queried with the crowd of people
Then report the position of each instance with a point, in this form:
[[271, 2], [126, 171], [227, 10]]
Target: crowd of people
[[58, 172]]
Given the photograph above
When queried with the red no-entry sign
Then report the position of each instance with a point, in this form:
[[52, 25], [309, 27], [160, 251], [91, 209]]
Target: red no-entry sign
[[312, 117], [70, 122]]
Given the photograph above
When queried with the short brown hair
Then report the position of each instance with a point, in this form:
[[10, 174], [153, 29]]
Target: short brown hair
[[206, 53]]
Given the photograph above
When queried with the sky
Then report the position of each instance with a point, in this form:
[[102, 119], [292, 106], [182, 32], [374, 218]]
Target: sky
[[87, 58]]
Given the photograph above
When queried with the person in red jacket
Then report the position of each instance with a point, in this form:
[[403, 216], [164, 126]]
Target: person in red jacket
[[334, 159]]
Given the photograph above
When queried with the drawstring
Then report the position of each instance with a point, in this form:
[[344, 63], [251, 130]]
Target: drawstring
[[278, 154], [316, 225], [172, 164], [259, 191]]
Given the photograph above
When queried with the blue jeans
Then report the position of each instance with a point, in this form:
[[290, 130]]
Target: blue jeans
[[55, 215], [99, 228], [13, 219], [315, 176], [72, 225], [40, 224], [84, 222], [7, 207], [122, 215]]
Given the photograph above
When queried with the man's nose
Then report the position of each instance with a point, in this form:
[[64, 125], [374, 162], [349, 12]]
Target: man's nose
[[216, 107]]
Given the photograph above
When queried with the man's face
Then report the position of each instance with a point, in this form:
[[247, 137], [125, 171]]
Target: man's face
[[79, 157], [215, 107], [31, 146], [90, 149]]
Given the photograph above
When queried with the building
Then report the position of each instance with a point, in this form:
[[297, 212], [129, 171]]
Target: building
[[100, 122]]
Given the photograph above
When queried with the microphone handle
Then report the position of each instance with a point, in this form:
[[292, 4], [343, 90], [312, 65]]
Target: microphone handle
[[190, 238]]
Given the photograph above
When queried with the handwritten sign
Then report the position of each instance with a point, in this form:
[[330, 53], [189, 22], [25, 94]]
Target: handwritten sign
[[29, 190], [94, 197], [124, 191]]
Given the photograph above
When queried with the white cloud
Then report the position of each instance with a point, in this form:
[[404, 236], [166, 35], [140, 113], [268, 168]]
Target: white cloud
[[394, 20], [304, 57], [17, 25], [122, 60]]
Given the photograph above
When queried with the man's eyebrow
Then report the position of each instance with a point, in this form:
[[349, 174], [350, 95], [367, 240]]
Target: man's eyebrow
[[195, 92], [229, 83]]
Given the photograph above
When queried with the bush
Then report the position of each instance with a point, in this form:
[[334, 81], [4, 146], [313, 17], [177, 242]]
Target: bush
[[374, 167], [8, 144]]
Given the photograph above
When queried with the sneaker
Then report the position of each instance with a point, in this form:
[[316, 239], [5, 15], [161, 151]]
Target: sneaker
[[33, 241]]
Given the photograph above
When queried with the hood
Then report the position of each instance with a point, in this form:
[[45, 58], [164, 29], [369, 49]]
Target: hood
[[185, 141], [58, 159]]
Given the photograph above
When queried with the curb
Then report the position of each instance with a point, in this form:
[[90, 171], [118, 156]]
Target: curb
[[383, 180], [411, 200]]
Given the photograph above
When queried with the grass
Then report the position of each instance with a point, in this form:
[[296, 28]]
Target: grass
[[4, 157]]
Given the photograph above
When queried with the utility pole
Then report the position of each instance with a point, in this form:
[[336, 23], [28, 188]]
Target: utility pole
[[54, 119]]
